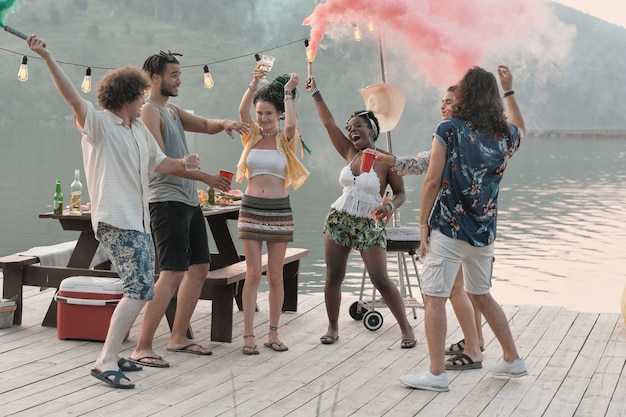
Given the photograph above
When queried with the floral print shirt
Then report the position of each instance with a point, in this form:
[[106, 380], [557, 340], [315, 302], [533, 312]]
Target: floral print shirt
[[416, 165], [467, 205]]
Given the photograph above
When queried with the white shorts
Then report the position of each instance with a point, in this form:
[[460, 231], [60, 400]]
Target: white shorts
[[441, 265]]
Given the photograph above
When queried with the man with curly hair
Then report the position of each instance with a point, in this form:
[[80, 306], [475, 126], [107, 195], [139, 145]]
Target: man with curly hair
[[118, 153]]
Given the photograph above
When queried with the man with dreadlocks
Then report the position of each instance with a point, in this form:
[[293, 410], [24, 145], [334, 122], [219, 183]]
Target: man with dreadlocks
[[178, 226]]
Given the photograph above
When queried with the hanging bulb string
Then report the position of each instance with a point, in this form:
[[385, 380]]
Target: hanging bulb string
[[233, 58]]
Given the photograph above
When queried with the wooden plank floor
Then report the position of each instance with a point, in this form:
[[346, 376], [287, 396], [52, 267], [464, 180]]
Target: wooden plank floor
[[576, 363]]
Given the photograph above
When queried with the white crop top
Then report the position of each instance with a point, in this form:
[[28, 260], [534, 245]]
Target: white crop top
[[266, 161], [361, 194]]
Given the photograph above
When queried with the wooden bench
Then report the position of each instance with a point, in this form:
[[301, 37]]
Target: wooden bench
[[19, 270], [223, 285]]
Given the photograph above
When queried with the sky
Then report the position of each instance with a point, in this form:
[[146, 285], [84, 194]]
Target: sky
[[613, 11]]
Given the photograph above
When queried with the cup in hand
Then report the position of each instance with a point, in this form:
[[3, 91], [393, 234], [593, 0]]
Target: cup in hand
[[367, 161], [192, 162], [226, 174]]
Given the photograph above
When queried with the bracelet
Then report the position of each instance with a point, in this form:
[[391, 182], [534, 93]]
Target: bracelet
[[287, 98], [288, 93], [509, 93], [391, 205], [251, 87], [423, 225], [315, 91]]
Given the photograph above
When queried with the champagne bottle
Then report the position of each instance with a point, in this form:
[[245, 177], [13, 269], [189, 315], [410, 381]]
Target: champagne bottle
[[76, 192], [57, 205]]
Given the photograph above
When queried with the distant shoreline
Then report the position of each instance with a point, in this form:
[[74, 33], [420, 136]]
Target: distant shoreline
[[588, 134]]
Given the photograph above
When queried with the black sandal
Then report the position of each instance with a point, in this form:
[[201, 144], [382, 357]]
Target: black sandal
[[460, 348], [461, 362]]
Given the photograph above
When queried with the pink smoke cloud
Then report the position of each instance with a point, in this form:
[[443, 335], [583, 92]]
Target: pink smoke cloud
[[445, 38]]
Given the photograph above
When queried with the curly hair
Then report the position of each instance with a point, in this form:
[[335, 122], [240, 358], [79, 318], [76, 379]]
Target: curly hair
[[370, 118], [274, 93], [155, 64], [120, 86], [479, 103]]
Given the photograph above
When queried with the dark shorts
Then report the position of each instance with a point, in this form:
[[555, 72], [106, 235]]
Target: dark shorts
[[180, 236], [267, 219], [132, 255]]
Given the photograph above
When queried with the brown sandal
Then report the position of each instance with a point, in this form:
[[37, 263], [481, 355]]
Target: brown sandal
[[249, 350]]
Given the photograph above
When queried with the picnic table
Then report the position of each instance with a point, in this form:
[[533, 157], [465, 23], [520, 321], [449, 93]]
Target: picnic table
[[223, 283]]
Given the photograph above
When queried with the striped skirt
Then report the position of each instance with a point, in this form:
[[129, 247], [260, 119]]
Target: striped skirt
[[268, 219]]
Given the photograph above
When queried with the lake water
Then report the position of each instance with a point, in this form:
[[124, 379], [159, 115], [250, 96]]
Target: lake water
[[561, 236]]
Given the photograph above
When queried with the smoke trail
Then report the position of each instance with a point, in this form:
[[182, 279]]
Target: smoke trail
[[5, 7], [444, 38]]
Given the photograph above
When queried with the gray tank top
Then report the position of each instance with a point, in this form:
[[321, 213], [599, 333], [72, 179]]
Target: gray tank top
[[166, 187]]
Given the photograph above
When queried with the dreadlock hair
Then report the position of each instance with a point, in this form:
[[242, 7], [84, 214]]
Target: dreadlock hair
[[155, 64], [274, 93], [479, 103], [120, 86], [370, 118]]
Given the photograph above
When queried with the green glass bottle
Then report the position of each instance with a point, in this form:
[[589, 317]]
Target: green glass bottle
[[211, 192], [57, 205]]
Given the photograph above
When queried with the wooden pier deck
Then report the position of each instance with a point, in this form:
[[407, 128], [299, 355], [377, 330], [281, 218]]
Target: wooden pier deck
[[576, 365]]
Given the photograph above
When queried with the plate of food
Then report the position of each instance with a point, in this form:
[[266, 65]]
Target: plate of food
[[233, 194]]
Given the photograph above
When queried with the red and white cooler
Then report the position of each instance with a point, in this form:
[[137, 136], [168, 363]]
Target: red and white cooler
[[85, 306]]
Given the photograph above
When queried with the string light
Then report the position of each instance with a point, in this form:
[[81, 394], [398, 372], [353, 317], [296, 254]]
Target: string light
[[357, 32], [22, 74], [208, 79], [86, 85], [309, 52]]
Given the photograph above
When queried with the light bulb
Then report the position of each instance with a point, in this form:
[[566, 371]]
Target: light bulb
[[208, 79], [357, 32], [86, 85], [370, 26], [22, 74], [309, 53]]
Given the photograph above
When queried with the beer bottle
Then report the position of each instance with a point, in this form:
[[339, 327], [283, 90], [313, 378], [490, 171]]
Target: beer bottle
[[57, 205], [211, 192]]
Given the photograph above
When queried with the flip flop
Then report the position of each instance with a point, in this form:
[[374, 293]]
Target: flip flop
[[115, 382], [328, 339], [128, 366], [185, 349], [461, 362], [142, 361], [276, 346], [250, 350], [408, 343]]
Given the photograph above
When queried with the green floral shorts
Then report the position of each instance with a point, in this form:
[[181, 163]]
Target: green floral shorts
[[354, 232]]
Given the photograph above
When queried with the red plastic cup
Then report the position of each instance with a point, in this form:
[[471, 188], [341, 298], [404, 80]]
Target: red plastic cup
[[226, 174], [367, 161]]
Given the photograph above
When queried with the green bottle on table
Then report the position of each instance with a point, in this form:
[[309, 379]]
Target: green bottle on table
[[211, 192], [57, 205]]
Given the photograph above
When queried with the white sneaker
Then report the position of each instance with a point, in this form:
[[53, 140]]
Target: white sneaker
[[513, 369], [426, 380]]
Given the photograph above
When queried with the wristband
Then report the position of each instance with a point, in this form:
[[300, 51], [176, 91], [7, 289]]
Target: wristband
[[391, 205], [423, 225], [314, 91], [509, 93], [251, 88]]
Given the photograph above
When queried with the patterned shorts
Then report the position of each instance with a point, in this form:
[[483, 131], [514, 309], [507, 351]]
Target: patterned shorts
[[132, 254], [267, 219], [354, 232]]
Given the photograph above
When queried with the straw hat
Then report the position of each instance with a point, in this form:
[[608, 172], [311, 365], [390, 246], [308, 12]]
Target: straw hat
[[387, 103]]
